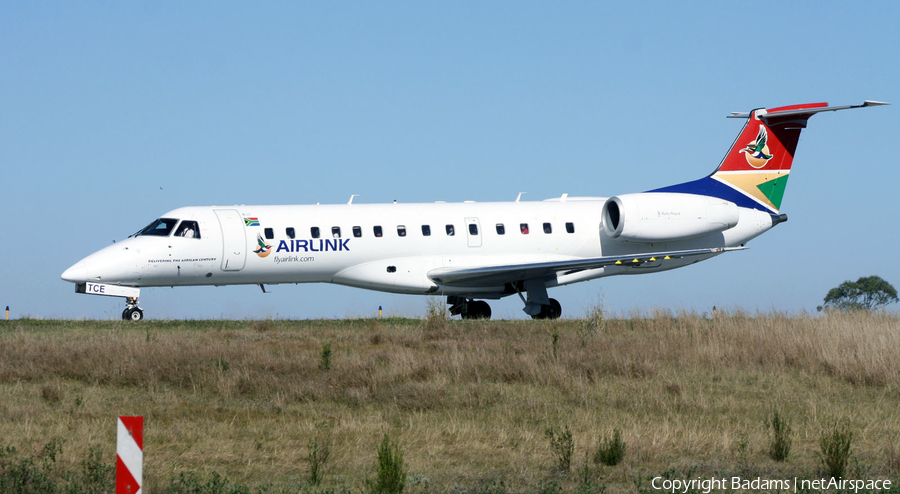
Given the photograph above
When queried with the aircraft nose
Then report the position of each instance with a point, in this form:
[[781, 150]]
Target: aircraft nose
[[77, 273]]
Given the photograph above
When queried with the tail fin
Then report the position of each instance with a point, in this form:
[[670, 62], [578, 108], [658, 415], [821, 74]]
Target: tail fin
[[755, 171], [759, 162]]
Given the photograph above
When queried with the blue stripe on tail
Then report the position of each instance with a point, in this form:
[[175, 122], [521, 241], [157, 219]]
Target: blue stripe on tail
[[707, 186]]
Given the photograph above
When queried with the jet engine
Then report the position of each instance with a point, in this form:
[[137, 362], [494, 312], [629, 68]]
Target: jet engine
[[666, 216]]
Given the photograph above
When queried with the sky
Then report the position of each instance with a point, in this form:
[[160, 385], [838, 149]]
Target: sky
[[115, 112]]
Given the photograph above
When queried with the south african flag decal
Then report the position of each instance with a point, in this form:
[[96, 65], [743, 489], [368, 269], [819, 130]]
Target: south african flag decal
[[251, 221]]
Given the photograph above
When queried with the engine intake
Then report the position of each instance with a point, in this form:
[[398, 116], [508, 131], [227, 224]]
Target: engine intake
[[666, 216]]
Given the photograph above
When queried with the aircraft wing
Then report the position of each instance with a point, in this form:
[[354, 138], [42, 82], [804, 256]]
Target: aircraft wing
[[510, 273]]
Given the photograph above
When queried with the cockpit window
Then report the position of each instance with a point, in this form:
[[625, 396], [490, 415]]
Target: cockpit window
[[160, 228], [188, 229]]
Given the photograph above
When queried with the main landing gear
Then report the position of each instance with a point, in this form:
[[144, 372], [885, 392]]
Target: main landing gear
[[468, 308], [538, 305], [132, 312], [551, 311], [478, 309]]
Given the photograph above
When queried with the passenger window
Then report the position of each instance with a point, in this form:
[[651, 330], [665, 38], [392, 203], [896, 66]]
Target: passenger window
[[377, 231], [270, 233], [548, 228], [401, 230], [570, 227], [290, 232], [523, 227], [473, 229], [426, 230], [336, 232], [501, 230], [357, 231], [188, 229], [161, 227], [450, 231], [314, 232]]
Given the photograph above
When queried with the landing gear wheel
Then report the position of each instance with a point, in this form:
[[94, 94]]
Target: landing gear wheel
[[480, 310], [555, 309], [133, 314], [475, 309], [552, 311]]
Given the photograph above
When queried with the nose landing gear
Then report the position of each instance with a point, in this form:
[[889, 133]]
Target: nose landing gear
[[130, 293], [132, 312]]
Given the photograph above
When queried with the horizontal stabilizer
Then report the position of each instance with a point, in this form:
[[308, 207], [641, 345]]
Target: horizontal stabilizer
[[787, 111]]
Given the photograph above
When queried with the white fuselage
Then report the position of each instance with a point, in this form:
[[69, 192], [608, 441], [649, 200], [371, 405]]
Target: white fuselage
[[467, 251], [228, 252]]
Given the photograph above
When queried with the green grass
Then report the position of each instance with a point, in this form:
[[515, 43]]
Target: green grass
[[611, 451], [780, 445], [468, 401]]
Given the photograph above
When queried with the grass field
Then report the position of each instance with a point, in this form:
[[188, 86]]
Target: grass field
[[468, 402]]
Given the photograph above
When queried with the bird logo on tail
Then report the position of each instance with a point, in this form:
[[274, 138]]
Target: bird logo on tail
[[757, 151]]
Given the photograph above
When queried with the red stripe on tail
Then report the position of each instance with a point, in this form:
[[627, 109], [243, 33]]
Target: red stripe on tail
[[766, 142]]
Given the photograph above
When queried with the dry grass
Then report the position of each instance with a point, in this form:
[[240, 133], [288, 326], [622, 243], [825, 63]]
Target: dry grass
[[468, 401]]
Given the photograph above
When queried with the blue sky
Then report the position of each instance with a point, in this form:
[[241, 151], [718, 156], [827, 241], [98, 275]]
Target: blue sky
[[116, 112]]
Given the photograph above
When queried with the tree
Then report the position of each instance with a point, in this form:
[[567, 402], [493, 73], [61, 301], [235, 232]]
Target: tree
[[866, 293]]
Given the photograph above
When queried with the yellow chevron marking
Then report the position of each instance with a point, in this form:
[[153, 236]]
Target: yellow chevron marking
[[652, 258], [667, 257], [636, 260], [618, 262]]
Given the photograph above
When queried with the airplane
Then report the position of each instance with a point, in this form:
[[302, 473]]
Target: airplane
[[468, 252]]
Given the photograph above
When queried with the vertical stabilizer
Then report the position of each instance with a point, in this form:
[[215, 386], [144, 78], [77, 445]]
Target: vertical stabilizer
[[754, 172], [759, 162]]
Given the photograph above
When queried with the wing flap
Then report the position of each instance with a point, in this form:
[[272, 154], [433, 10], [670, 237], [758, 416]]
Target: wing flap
[[501, 274]]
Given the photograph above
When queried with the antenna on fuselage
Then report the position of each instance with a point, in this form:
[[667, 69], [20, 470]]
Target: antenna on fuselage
[[351, 198], [520, 196]]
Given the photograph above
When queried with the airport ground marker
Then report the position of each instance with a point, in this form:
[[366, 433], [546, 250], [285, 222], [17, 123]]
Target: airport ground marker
[[129, 455]]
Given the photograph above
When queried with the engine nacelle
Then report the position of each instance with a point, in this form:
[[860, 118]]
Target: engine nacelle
[[666, 216]]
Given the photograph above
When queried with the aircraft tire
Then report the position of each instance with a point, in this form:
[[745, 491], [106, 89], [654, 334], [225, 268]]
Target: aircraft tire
[[552, 311], [482, 310], [133, 314], [125, 314], [555, 309], [469, 312]]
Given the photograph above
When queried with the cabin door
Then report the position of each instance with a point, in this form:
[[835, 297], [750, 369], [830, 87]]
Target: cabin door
[[473, 230], [234, 239]]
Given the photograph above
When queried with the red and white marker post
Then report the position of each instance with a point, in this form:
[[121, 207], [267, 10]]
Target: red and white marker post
[[129, 455]]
